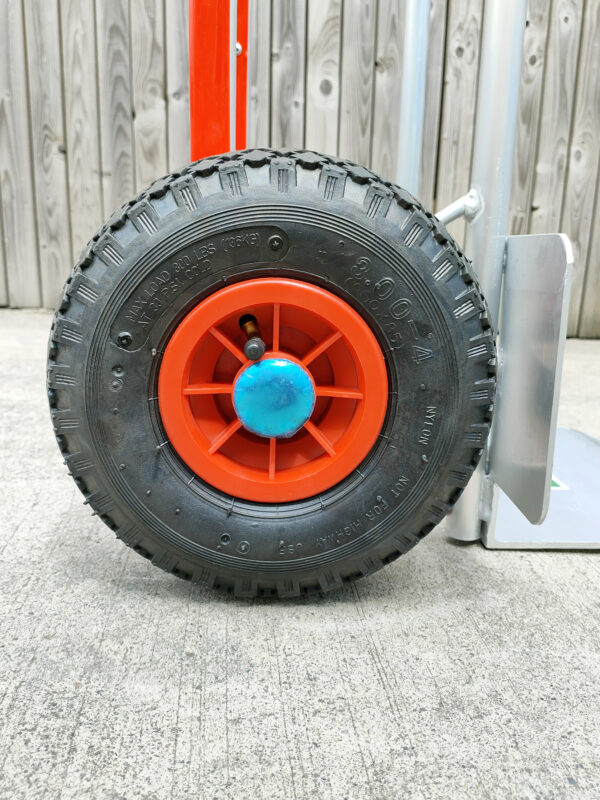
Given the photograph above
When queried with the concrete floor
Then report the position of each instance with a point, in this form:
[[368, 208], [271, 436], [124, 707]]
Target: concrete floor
[[455, 672]]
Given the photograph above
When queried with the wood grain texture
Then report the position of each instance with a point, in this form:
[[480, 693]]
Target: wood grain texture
[[581, 184], [148, 90], [287, 73], [323, 75], [115, 102], [78, 34], [357, 80], [94, 104], [589, 313], [556, 114], [458, 110], [18, 226], [433, 100], [48, 147], [178, 92], [259, 74], [388, 85], [530, 97], [3, 275]]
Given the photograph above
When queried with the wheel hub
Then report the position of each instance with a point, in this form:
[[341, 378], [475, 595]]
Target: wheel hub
[[274, 397], [289, 425]]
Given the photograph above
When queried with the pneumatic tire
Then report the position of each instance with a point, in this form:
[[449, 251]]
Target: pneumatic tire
[[332, 229]]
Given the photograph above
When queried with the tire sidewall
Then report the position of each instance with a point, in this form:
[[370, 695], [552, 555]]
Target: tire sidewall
[[330, 244]]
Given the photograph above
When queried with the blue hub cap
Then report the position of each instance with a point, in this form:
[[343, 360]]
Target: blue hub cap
[[274, 397]]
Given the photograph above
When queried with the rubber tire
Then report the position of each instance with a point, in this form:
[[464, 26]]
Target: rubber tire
[[197, 230]]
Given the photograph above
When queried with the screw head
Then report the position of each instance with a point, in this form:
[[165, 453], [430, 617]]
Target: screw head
[[124, 339], [275, 242]]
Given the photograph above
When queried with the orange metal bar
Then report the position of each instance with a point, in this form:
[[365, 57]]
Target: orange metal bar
[[209, 76], [242, 74]]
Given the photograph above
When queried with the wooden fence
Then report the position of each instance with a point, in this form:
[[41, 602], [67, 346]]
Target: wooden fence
[[94, 106]]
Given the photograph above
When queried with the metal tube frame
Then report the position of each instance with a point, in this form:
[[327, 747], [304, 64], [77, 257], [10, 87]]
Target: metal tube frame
[[491, 175], [412, 98]]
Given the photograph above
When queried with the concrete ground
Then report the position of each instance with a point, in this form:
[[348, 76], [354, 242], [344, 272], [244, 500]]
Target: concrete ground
[[456, 672]]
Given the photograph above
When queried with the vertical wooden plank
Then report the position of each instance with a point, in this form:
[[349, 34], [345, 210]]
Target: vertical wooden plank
[[589, 321], [3, 275], [357, 80], [287, 73], [78, 36], [556, 115], [584, 152], [148, 90], [388, 85], [178, 94], [114, 86], [16, 179], [48, 146], [322, 75], [259, 74], [458, 110], [530, 97], [433, 99]]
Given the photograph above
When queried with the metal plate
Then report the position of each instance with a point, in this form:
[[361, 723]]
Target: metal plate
[[533, 324], [572, 521]]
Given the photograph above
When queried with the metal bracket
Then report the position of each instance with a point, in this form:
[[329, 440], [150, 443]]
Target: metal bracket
[[538, 487], [517, 481], [533, 323], [469, 206]]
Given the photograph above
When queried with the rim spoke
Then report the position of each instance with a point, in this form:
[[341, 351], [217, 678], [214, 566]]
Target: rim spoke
[[320, 438], [231, 346], [209, 388], [321, 347], [225, 434], [336, 391], [276, 325], [272, 455]]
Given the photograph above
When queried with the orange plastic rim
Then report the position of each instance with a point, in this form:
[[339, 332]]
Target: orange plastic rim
[[298, 321]]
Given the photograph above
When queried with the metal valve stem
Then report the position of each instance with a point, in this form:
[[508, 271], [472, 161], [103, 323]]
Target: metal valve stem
[[254, 348]]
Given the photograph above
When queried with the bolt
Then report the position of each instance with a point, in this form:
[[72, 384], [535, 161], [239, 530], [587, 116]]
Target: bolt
[[275, 242], [124, 339]]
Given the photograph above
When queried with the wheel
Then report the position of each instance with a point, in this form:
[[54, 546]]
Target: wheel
[[271, 372]]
